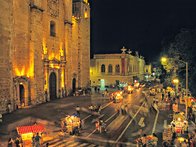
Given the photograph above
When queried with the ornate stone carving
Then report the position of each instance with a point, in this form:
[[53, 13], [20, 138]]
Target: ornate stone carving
[[53, 8]]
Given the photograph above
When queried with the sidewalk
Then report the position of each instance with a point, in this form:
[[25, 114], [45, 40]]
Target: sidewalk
[[46, 112]]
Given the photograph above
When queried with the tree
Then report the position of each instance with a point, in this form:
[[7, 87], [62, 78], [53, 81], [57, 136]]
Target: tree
[[184, 48]]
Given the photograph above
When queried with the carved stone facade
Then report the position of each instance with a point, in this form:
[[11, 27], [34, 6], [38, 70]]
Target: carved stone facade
[[45, 50]]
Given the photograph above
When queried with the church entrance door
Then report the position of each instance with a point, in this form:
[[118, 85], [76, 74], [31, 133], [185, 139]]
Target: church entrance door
[[52, 82], [22, 94]]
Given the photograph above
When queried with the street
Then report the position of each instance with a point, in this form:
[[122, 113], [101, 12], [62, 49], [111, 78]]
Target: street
[[119, 127]]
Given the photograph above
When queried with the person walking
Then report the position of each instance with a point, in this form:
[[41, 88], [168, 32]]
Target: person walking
[[97, 125], [17, 142], [78, 110], [163, 96], [37, 140], [98, 89], [144, 141], [33, 141], [10, 142]]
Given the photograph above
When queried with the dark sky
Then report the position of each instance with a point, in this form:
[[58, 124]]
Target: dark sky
[[138, 24]]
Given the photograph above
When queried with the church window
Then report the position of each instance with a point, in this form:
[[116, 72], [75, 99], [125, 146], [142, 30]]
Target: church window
[[117, 69], [102, 68], [110, 68], [52, 29]]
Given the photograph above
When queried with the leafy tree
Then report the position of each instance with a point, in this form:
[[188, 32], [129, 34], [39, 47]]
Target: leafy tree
[[183, 48]]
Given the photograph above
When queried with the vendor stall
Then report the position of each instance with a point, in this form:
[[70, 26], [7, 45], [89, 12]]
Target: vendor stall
[[27, 132], [118, 98], [71, 124], [150, 140], [129, 89]]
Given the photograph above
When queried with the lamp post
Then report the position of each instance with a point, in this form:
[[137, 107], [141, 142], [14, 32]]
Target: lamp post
[[186, 99], [176, 82], [164, 59]]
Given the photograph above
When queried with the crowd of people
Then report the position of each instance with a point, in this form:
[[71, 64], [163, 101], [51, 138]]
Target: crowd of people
[[18, 142]]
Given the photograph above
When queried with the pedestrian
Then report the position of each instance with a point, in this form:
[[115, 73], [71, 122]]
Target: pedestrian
[[169, 95], [163, 96], [78, 110], [37, 140], [47, 144], [184, 144], [10, 142], [98, 89], [33, 141], [17, 142], [122, 109], [99, 109], [97, 126], [144, 141], [126, 109], [155, 140]]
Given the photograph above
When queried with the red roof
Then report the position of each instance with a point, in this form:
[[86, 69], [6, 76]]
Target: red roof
[[30, 129]]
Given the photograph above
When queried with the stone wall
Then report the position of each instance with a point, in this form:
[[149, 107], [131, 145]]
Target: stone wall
[[6, 14]]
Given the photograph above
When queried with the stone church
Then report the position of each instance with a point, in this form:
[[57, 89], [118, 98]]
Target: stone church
[[44, 50]]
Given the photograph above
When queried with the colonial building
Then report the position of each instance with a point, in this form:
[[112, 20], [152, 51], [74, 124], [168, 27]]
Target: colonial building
[[109, 69], [44, 50]]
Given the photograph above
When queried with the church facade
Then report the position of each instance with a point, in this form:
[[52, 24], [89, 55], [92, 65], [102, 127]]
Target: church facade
[[115, 69], [45, 50]]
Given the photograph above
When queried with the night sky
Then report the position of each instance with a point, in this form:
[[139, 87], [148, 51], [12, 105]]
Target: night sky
[[140, 25]]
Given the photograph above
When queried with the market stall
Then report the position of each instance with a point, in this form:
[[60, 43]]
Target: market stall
[[150, 140], [27, 132], [118, 97], [71, 124], [129, 89]]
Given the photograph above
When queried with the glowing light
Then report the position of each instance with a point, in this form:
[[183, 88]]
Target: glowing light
[[45, 50], [61, 49], [20, 72], [62, 79], [163, 59], [54, 66], [85, 14], [175, 81]]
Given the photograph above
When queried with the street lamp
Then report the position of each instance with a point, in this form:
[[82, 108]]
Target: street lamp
[[186, 63], [176, 82], [164, 59]]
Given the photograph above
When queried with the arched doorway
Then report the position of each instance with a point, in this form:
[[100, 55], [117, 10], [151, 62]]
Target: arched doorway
[[22, 94], [52, 82], [74, 85]]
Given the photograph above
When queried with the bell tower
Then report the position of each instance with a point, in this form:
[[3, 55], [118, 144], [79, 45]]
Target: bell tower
[[81, 11]]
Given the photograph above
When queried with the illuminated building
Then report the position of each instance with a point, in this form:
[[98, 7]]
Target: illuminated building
[[45, 50], [112, 69]]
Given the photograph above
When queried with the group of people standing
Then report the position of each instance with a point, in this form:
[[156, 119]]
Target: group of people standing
[[36, 141]]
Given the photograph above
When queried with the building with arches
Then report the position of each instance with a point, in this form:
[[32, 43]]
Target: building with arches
[[110, 69], [45, 50]]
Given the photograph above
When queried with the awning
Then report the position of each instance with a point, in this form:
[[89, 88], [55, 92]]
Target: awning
[[30, 129]]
